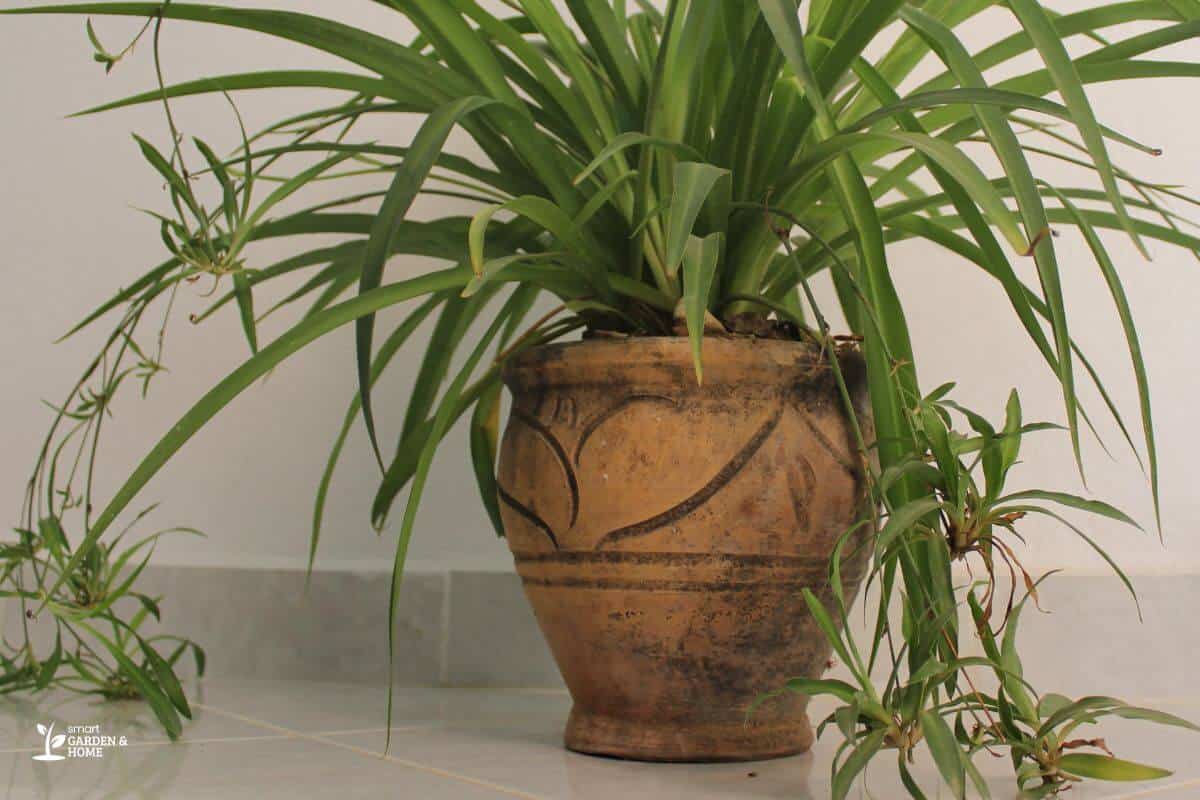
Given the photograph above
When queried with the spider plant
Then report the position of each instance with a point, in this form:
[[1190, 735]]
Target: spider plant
[[688, 166]]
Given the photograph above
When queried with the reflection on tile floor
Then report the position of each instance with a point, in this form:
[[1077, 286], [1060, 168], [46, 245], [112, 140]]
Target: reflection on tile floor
[[311, 740]]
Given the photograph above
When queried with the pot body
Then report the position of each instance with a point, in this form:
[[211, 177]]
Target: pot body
[[663, 531]]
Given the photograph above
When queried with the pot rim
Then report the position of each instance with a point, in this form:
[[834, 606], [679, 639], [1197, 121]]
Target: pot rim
[[727, 360]]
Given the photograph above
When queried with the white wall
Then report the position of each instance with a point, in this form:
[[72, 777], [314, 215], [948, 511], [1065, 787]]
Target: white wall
[[69, 237]]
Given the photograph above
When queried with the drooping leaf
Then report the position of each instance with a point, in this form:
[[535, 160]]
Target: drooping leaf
[[1107, 768], [405, 186]]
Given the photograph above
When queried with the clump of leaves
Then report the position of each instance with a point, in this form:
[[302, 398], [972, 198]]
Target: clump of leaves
[[97, 620], [932, 691]]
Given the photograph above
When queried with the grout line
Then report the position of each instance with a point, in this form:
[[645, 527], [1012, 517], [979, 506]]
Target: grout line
[[1158, 789], [421, 726], [444, 643], [210, 740], [441, 773], [164, 743], [496, 787]]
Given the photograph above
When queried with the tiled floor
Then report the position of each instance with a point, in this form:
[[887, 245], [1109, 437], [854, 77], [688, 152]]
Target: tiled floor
[[311, 740]]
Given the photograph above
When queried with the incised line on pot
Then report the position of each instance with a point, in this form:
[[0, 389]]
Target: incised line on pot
[[598, 420], [823, 440], [728, 572], [559, 452], [718, 482], [678, 511], [528, 514]]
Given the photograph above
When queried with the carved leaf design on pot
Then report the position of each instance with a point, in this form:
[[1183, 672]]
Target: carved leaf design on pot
[[637, 466], [548, 509], [598, 420], [690, 463]]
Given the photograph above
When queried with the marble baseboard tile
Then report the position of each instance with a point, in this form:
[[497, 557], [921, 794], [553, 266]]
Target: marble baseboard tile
[[266, 623], [476, 629], [493, 638]]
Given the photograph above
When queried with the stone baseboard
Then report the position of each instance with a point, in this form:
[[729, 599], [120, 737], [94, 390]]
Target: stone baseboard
[[476, 629]]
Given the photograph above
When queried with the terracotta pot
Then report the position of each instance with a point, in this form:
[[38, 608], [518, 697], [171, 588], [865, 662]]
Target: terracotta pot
[[663, 531]]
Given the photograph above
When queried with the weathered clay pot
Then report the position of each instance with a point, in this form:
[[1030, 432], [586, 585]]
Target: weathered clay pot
[[663, 531]]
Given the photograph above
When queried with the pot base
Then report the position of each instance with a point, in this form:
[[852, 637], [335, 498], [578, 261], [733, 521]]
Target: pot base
[[683, 741]]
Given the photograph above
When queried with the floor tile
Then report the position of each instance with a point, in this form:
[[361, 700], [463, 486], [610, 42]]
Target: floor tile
[[21, 714], [526, 752], [280, 768], [267, 739], [318, 707]]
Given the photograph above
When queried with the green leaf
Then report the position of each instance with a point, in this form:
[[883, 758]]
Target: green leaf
[[229, 202], [1036, 21], [281, 193], [492, 268], [601, 26], [815, 687], [54, 537], [634, 139], [1052, 703], [825, 623], [856, 762], [245, 301], [955, 163], [1107, 768], [1131, 337], [1093, 544], [992, 97], [700, 259], [162, 707], [241, 378], [454, 320], [446, 413], [374, 52], [166, 679], [1072, 501], [693, 183], [1083, 708], [403, 191], [1151, 715], [935, 429], [1010, 444], [272, 79], [50, 666], [929, 669], [484, 438], [179, 186], [901, 520], [543, 213], [387, 352], [485, 420], [890, 341], [946, 753], [1008, 150]]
